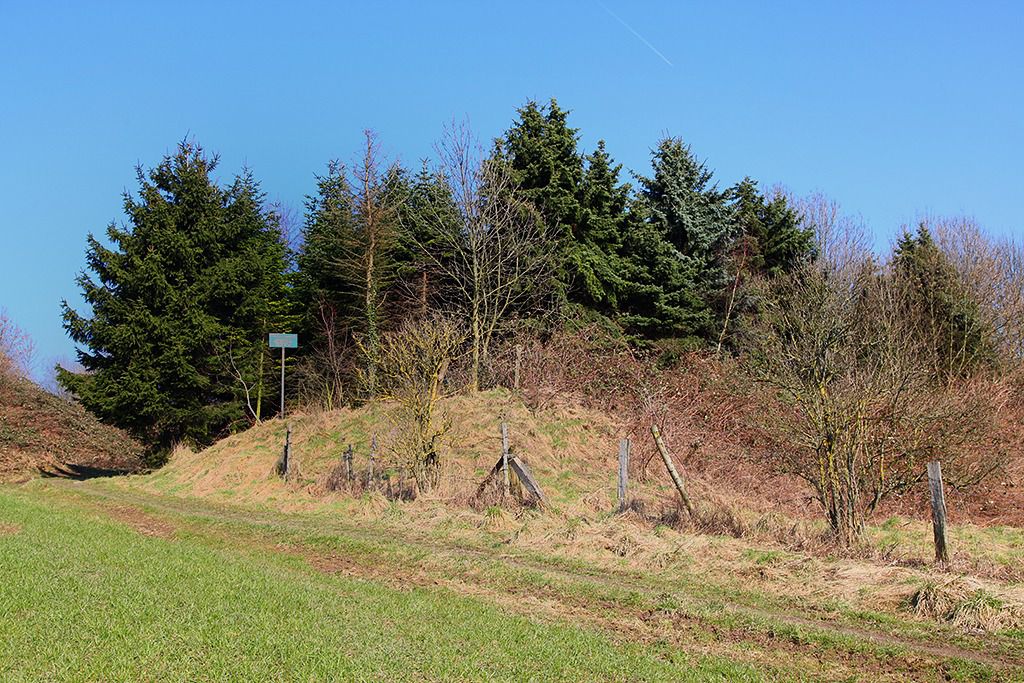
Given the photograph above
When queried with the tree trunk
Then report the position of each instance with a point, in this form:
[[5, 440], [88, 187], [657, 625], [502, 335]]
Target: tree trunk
[[474, 371]]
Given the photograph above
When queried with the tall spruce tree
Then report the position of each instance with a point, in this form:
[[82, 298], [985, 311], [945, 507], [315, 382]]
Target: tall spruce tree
[[660, 300], [180, 304], [580, 198], [683, 206], [595, 254], [328, 228], [645, 264], [693, 214]]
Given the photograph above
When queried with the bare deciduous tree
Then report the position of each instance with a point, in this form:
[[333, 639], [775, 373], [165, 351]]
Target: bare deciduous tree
[[497, 256], [17, 350], [992, 270], [859, 411], [842, 241]]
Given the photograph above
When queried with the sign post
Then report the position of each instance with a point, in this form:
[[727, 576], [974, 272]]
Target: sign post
[[283, 341]]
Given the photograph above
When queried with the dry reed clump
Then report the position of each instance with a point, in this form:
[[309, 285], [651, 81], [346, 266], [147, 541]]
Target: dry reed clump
[[965, 605]]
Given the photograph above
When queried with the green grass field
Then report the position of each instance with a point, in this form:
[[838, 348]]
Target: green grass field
[[85, 598], [105, 581]]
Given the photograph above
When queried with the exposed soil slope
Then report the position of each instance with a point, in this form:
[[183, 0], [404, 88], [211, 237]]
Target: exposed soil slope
[[43, 432]]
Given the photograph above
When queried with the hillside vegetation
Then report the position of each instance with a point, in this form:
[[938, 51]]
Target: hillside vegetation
[[572, 452], [43, 432]]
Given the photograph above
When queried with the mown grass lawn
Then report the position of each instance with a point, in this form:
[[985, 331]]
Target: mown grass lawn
[[83, 598]]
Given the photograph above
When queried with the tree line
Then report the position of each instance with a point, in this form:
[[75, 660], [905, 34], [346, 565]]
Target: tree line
[[404, 281], [530, 229]]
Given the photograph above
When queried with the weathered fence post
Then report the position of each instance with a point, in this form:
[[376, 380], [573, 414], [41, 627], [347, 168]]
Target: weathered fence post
[[373, 456], [504, 457], [676, 479], [348, 463], [938, 511], [623, 472], [518, 365], [286, 457]]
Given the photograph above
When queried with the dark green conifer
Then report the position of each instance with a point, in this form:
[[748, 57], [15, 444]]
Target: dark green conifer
[[180, 304]]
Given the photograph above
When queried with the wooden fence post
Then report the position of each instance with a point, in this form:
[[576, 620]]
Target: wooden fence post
[[288, 451], [286, 457], [676, 479], [373, 456], [623, 472], [348, 463], [504, 457], [938, 511]]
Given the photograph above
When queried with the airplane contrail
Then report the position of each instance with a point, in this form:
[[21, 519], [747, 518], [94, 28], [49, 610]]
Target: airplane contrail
[[635, 33]]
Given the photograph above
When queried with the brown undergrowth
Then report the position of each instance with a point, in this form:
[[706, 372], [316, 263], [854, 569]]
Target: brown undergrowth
[[40, 431]]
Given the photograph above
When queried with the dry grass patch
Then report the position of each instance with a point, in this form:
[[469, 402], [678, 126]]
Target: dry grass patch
[[967, 605]]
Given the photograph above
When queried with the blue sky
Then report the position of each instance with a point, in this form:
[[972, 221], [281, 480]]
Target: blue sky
[[895, 109]]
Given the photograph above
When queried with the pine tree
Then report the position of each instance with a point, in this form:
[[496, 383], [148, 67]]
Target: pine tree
[[947, 314], [180, 304], [327, 229], [685, 208], [778, 241]]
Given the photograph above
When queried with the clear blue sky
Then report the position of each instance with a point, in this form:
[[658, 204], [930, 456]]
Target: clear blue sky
[[895, 109]]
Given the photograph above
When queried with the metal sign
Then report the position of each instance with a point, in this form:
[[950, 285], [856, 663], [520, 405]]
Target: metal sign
[[284, 341]]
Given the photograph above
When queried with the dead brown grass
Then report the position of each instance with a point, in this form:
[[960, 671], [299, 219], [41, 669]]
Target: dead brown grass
[[965, 604]]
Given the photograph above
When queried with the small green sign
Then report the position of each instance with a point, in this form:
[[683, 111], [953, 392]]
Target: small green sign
[[284, 341]]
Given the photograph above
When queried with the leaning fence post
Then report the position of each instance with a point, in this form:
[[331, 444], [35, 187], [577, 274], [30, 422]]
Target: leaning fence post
[[938, 511], [623, 472], [504, 457], [676, 479]]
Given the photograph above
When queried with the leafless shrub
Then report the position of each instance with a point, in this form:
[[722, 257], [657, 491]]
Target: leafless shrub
[[17, 350], [857, 413], [414, 360]]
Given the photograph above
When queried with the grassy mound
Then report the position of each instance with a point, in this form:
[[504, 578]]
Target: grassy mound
[[40, 431], [573, 453]]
